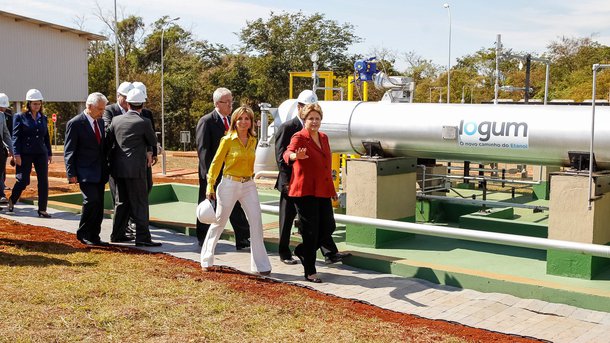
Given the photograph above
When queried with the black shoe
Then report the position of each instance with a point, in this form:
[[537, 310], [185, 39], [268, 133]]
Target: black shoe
[[130, 231], [288, 260], [242, 246], [43, 214], [315, 279], [122, 239], [343, 255], [98, 243], [333, 258], [11, 206], [147, 244]]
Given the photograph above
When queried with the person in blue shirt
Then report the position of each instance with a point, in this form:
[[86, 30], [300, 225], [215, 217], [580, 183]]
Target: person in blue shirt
[[32, 146]]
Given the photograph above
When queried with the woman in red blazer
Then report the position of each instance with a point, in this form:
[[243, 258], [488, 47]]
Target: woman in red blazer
[[311, 186]]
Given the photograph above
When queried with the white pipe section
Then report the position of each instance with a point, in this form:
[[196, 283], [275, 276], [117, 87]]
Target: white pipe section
[[471, 235], [271, 174]]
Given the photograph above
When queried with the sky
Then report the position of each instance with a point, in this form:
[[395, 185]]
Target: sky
[[420, 26]]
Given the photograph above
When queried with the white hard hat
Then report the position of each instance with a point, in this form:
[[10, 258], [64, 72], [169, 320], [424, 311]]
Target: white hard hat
[[4, 100], [205, 212], [139, 85], [307, 97], [124, 88], [136, 96], [33, 95]]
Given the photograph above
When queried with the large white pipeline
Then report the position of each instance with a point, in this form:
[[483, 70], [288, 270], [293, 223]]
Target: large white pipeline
[[532, 134]]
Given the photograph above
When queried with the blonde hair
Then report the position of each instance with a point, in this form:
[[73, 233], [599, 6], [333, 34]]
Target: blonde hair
[[237, 114], [311, 108]]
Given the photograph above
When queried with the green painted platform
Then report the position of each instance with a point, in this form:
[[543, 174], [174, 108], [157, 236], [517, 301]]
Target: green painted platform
[[472, 265]]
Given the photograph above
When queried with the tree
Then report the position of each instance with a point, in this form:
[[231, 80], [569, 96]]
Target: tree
[[284, 42]]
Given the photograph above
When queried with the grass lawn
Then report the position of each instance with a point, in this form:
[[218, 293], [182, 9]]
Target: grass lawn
[[54, 289]]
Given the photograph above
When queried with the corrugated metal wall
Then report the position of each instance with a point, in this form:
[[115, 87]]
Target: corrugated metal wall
[[45, 58]]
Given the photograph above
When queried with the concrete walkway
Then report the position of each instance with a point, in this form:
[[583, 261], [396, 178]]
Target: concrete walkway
[[491, 311]]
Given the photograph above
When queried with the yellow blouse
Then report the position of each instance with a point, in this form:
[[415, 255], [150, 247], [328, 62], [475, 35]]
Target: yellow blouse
[[238, 159]]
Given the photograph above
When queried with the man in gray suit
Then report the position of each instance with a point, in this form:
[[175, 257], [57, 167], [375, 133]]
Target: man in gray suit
[[132, 135], [6, 147]]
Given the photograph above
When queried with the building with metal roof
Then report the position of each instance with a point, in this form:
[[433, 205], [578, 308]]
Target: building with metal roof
[[42, 55]]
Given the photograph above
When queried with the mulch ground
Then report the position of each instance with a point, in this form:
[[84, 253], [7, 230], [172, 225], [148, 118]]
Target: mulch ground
[[41, 236]]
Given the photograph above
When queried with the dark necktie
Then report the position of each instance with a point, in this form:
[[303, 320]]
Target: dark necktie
[[98, 136], [226, 123]]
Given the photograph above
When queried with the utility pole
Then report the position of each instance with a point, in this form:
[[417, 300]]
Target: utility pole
[[528, 63], [497, 85]]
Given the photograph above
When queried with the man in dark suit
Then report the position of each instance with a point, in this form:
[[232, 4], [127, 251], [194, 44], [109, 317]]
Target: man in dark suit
[[86, 165], [131, 135], [287, 207], [146, 113], [111, 111], [6, 143], [210, 129]]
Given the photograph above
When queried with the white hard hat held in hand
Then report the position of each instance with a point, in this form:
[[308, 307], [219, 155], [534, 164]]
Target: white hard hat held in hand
[[307, 97], [124, 88], [33, 95], [205, 212], [136, 96]]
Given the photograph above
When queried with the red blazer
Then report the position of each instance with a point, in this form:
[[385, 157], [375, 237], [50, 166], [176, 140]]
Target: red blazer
[[311, 176]]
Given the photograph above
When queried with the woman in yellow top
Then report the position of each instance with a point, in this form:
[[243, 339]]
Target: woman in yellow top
[[237, 151]]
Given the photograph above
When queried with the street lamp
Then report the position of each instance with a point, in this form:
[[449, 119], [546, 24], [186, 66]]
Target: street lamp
[[440, 93], [449, 60], [163, 156], [314, 75], [463, 93], [116, 50]]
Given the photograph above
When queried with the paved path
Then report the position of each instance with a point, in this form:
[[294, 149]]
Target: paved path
[[491, 311]]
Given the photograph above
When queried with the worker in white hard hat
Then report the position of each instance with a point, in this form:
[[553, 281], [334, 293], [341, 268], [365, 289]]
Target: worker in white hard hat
[[113, 110], [288, 210], [131, 135], [6, 148], [31, 146], [146, 113], [120, 106]]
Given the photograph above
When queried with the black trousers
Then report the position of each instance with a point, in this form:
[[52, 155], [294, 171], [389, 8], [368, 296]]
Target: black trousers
[[149, 185], [3, 158], [288, 212], [238, 219], [317, 220], [22, 174], [131, 201], [93, 211]]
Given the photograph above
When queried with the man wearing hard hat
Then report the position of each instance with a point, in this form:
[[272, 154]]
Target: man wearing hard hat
[[111, 111], [6, 149], [131, 135], [287, 207], [146, 113]]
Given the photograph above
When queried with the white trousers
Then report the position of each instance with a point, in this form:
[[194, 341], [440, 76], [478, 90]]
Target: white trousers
[[227, 193]]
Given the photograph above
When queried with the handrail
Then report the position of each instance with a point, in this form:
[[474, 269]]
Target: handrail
[[471, 235]]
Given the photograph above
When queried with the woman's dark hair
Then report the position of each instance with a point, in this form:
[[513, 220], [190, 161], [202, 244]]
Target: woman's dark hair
[[29, 108]]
